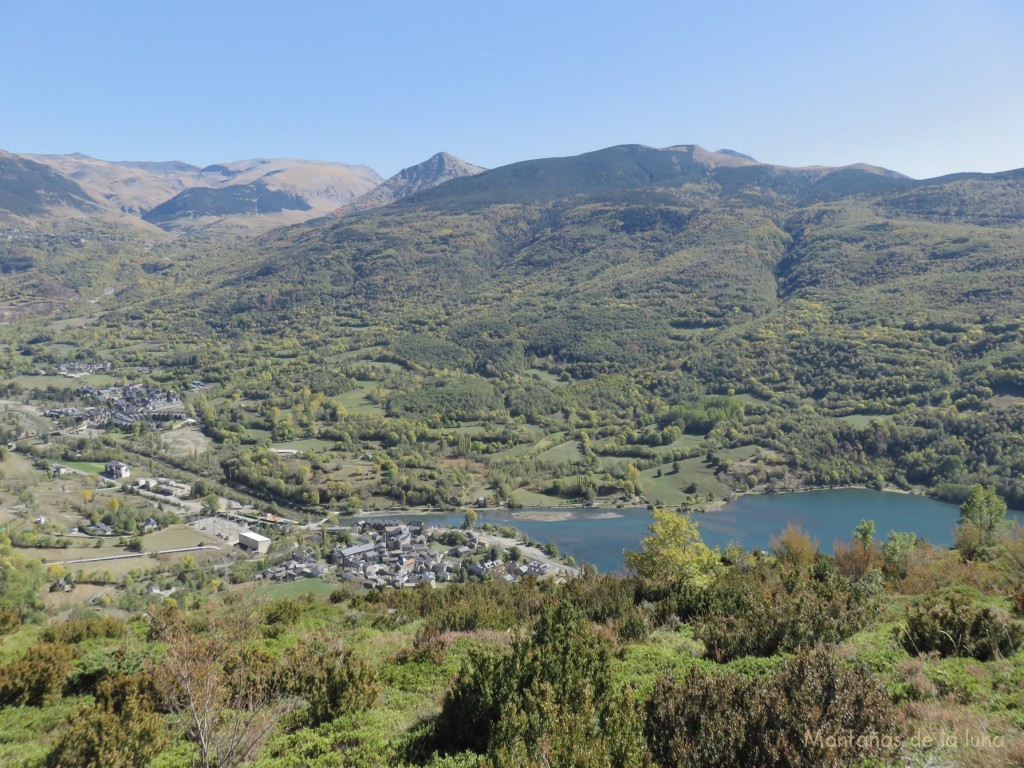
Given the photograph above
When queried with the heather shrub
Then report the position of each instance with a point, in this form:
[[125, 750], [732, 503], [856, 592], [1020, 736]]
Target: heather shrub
[[332, 681], [550, 700], [764, 611], [121, 730], [79, 630], [36, 679], [1017, 601], [812, 711], [951, 624]]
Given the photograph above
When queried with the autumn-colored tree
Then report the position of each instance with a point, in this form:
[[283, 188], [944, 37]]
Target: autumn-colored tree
[[673, 553], [858, 558], [982, 521], [794, 547]]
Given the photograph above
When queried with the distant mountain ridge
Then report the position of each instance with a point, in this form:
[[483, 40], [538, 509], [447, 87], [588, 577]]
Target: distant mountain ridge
[[29, 188], [239, 197], [430, 173], [257, 195]]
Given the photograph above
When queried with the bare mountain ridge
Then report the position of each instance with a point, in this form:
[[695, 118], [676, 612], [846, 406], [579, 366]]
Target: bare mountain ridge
[[430, 173], [163, 192]]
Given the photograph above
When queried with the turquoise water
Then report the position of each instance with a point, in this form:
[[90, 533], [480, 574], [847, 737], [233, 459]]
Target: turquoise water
[[750, 521]]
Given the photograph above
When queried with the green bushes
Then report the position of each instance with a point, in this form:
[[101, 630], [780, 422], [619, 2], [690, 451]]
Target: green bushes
[[762, 611], [331, 680], [1018, 603], [121, 730], [80, 630], [9, 621], [951, 624], [282, 612], [812, 711], [461, 607], [550, 701], [37, 678]]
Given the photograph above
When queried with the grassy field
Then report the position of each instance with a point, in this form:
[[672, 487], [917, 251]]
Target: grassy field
[[510, 453], [860, 419], [467, 428], [116, 568], [545, 376], [176, 536], [567, 451], [311, 444], [740, 453], [292, 589], [683, 443], [355, 401], [18, 467], [186, 441], [71, 322], [85, 466], [669, 487], [534, 499], [63, 382]]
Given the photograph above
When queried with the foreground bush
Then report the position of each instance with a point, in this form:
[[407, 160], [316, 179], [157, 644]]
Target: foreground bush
[[812, 711], [762, 611], [36, 679], [331, 680], [121, 730], [550, 701], [950, 624]]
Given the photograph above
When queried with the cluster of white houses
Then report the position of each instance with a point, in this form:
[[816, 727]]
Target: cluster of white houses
[[123, 406], [301, 565], [391, 554]]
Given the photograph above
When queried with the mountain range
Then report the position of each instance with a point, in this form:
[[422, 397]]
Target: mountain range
[[232, 198], [678, 237]]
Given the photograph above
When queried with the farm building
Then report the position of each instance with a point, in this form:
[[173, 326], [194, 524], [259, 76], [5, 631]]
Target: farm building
[[118, 469]]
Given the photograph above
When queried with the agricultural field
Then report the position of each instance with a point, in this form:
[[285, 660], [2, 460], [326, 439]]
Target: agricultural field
[[186, 441]]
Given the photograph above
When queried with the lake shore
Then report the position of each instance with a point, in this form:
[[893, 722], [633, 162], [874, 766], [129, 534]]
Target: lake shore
[[556, 512], [719, 504]]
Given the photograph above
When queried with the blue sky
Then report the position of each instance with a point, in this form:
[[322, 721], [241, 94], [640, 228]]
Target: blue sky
[[921, 87]]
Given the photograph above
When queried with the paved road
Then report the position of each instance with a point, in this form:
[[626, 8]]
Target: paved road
[[129, 555]]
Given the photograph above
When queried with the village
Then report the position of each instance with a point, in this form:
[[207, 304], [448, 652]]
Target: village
[[123, 406], [386, 553]]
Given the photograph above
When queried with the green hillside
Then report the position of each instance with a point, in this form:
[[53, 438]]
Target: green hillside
[[593, 297]]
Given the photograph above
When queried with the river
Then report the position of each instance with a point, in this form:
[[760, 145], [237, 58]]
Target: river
[[599, 536]]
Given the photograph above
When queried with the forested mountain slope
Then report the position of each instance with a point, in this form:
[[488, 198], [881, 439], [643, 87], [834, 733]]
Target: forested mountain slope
[[855, 291]]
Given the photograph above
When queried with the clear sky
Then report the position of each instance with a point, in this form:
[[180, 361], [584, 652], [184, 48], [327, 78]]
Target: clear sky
[[923, 87]]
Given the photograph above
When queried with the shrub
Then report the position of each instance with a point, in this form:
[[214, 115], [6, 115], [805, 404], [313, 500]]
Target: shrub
[[1017, 600], [762, 612], [795, 548], [812, 711], [121, 729], [37, 678], [332, 681], [79, 630], [283, 612], [951, 624], [9, 620], [550, 701]]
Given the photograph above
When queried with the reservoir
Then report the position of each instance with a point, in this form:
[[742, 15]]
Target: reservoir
[[599, 536]]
